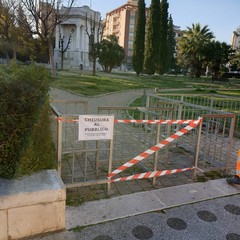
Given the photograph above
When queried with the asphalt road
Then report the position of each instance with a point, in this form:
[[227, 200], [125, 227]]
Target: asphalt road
[[215, 219]]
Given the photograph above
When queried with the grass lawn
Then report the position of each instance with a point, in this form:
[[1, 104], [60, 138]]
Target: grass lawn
[[86, 84]]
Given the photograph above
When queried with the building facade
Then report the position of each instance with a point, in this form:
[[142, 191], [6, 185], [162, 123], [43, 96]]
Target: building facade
[[236, 39], [72, 36], [121, 22]]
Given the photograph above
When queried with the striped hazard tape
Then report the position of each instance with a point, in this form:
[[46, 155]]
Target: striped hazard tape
[[140, 157], [155, 121], [60, 119], [151, 174]]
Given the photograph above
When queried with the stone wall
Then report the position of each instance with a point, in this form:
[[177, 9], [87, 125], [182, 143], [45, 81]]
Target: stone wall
[[32, 205]]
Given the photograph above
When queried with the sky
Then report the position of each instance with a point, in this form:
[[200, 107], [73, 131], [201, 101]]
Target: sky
[[221, 16]]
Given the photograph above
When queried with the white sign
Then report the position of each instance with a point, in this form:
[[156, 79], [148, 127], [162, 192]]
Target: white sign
[[95, 127]]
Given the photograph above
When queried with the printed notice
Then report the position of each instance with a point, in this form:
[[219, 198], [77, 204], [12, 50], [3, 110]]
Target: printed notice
[[95, 127]]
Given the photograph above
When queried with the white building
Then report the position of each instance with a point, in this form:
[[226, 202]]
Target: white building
[[236, 39], [74, 28]]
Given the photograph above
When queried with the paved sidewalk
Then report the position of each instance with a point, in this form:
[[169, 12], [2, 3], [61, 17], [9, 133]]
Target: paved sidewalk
[[106, 210], [123, 98]]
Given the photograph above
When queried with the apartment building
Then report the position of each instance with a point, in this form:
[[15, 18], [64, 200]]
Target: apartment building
[[121, 22], [236, 39]]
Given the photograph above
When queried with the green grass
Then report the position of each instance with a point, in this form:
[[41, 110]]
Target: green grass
[[89, 85]]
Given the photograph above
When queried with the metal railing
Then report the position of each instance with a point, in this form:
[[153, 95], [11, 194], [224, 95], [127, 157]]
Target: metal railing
[[82, 163]]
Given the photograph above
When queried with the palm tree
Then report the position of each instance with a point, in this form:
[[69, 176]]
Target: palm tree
[[217, 56], [193, 44]]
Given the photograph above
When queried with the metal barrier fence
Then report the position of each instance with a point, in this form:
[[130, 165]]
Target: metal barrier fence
[[82, 163], [213, 101], [218, 146]]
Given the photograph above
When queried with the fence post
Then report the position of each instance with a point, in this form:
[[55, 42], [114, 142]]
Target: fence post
[[110, 165], [211, 103], [197, 149], [59, 146], [147, 105], [156, 154], [230, 142]]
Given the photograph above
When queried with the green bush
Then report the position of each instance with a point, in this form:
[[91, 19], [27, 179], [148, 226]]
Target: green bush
[[25, 137]]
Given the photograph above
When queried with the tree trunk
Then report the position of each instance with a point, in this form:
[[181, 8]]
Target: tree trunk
[[5, 50], [94, 66], [14, 53], [62, 60], [51, 59]]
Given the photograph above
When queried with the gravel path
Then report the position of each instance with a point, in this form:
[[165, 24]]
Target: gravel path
[[112, 99]]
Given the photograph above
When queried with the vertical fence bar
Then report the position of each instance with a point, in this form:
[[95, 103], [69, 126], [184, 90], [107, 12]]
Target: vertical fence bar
[[74, 153], [97, 158], [197, 149], [59, 146], [85, 161], [230, 142], [155, 166], [110, 164]]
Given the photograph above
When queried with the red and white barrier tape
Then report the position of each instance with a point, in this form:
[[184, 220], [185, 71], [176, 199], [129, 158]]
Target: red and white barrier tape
[[60, 119], [145, 154], [151, 174], [155, 121], [170, 122]]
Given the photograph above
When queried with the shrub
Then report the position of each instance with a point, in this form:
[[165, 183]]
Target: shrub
[[23, 120]]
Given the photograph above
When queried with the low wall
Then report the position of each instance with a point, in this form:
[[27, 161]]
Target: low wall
[[32, 205]]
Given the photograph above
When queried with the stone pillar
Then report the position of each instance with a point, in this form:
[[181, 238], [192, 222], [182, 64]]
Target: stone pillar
[[56, 49], [78, 37]]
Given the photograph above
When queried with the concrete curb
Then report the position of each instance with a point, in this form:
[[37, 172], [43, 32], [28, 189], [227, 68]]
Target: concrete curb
[[134, 204]]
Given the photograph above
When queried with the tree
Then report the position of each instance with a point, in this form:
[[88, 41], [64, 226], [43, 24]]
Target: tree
[[63, 46], [111, 54], [43, 19], [8, 33], [217, 56], [152, 38], [139, 41], [192, 46], [24, 39], [171, 46], [94, 33], [235, 60], [163, 44]]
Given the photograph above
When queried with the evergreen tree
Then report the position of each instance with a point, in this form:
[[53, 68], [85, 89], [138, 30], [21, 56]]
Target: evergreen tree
[[111, 54], [163, 45], [139, 41], [171, 61], [153, 38]]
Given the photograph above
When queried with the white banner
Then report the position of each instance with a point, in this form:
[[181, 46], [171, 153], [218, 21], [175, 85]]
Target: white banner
[[95, 127]]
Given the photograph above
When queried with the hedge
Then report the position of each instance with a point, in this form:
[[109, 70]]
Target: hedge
[[25, 136]]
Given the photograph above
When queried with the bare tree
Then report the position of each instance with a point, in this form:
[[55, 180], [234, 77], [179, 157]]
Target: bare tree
[[94, 30], [8, 27], [44, 16], [63, 45]]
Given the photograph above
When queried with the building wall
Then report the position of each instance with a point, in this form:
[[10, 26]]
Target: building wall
[[236, 39], [77, 54], [121, 22]]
